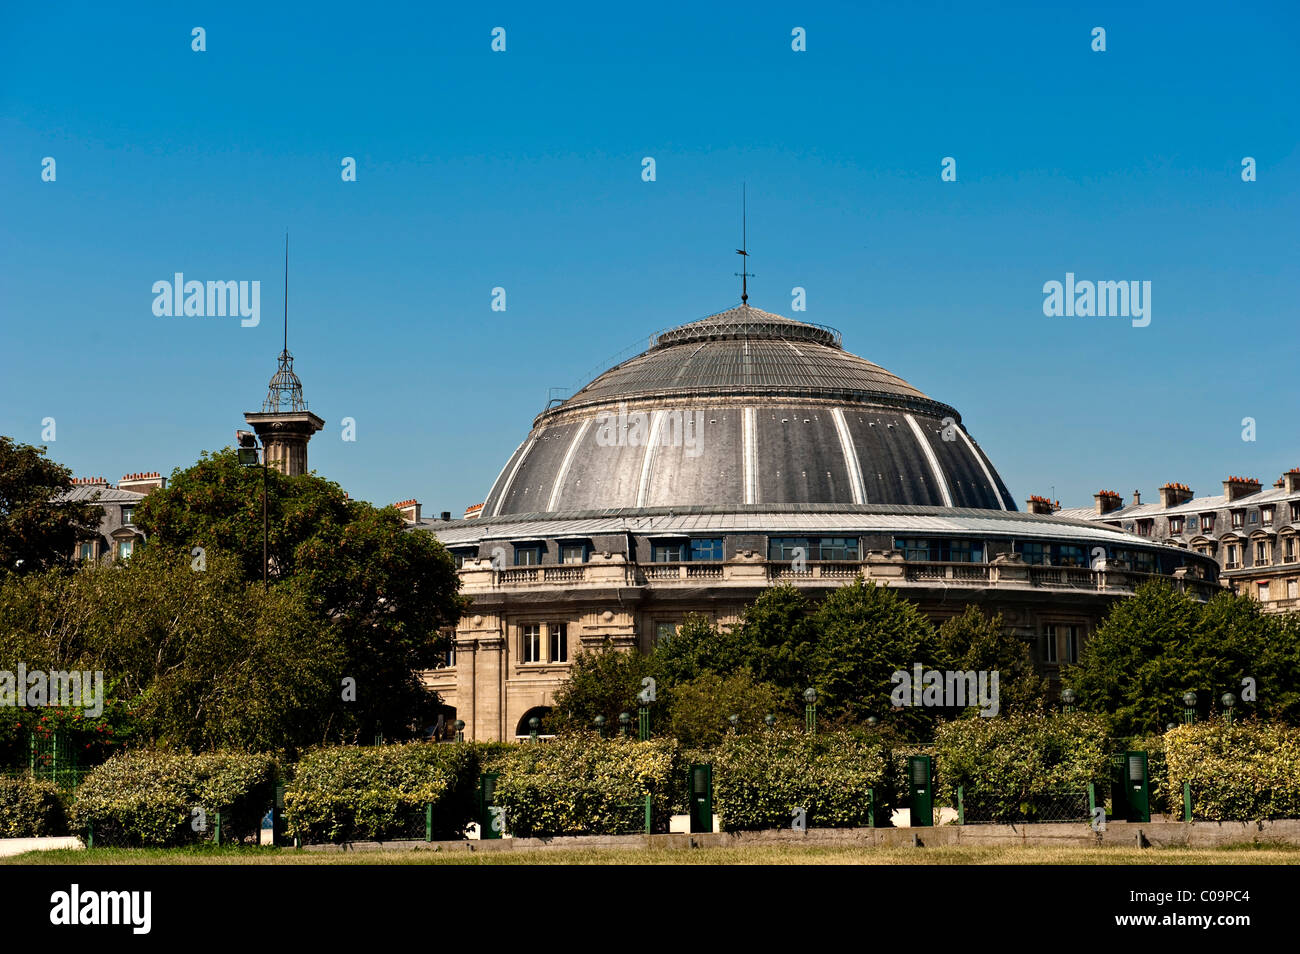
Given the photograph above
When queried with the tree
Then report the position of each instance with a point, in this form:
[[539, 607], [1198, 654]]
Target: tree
[[865, 634], [696, 648], [199, 659], [602, 682], [973, 641], [700, 709], [387, 591], [37, 529], [778, 633], [1159, 643]]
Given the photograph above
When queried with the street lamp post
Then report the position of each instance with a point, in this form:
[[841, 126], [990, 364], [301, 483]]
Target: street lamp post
[[600, 725], [460, 730], [533, 724], [1228, 700], [1189, 707], [247, 450], [1067, 699], [810, 709], [624, 720], [734, 719]]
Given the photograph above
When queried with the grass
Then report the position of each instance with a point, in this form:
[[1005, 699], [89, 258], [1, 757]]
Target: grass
[[1246, 854]]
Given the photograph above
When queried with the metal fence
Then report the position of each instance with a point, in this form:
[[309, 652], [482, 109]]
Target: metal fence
[[977, 808]]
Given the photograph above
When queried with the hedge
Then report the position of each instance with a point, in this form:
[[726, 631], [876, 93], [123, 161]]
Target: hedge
[[760, 780], [31, 808], [159, 799], [349, 793], [1013, 762], [580, 784], [1247, 771]]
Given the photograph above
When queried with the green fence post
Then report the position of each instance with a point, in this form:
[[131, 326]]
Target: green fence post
[[277, 817], [871, 808], [90, 835], [649, 814], [217, 832], [428, 821], [1187, 801], [1092, 799], [961, 805]]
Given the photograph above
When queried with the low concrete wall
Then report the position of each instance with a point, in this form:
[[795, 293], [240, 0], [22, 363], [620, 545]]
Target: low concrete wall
[[16, 846], [1157, 834]]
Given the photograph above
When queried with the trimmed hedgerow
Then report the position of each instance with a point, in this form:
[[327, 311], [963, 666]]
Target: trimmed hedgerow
[[1247, 771], [580, 784], [760, 780], [349, 793], [159, 799], [31, 808], [1013, 763]]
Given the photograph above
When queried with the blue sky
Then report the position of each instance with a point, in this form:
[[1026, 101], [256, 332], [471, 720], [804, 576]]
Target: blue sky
[[522, 169]]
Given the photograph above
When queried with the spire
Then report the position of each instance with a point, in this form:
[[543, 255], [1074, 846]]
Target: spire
[[285, 390], [745, 274]]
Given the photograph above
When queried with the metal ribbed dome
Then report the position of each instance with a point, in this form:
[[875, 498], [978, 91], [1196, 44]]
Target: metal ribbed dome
[[742, 408]]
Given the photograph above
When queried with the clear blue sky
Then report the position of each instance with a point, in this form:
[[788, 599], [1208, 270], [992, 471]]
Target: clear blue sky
[[523, 169]]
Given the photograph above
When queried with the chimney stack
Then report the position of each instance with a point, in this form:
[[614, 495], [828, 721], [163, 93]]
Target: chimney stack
[[446, 516], [1037, 504], [1171, 495], [1235, 488], [89, 482], [410, 510], [1291, 480], [143, 483], [1106, 501], [1137, 497]]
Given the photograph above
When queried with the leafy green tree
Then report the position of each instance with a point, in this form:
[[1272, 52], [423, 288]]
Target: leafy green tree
[[699, 710], [37, 530], [602, 682], [199, 659], [388, 592], [1159, 643], [973, 641], [865, 634], [777, 635], [696, 648]]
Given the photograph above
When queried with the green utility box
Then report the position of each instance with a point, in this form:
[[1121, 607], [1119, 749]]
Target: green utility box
[[491, 821], [1130, 788], [920, 776], [701, 797]]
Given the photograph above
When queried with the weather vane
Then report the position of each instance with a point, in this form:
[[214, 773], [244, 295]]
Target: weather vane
[[746, 274]]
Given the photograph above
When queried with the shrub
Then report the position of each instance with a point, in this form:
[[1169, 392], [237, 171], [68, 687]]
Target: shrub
[[150, 798], [699, 709], [760, 780], [1010, 763], [31, 808], [1246, 771], [580, 784], [346, 793]]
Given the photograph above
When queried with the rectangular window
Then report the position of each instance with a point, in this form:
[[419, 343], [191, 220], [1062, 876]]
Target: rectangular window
[[1254, 517], [837, 548], [1067, 555], [124, 548], [88, 551], [1266, 514], [1295, 512], [1037, 554], [573, 553], [128, 513], [1207, 523], [1144, 527], [942, 551], [1231, 561], [1175, 525], [559, 642], [667, 552], [812, 548], [1261, 553], [1049, 643], [706, 548], [460, 556], [532, 643], [1072, 644], [1290, 549], [1263, 592], [1238, 519], [528, 554], [1191, 523], [664, 632], [1292, 588]]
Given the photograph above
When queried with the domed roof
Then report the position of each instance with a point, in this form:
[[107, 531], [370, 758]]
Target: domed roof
[[746, 408], [745, 350]]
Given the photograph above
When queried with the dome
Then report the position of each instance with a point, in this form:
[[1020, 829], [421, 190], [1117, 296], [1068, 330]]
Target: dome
[[742, 408]]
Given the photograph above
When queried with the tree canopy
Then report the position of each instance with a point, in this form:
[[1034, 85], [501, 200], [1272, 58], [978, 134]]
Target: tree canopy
[[37, 529]]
